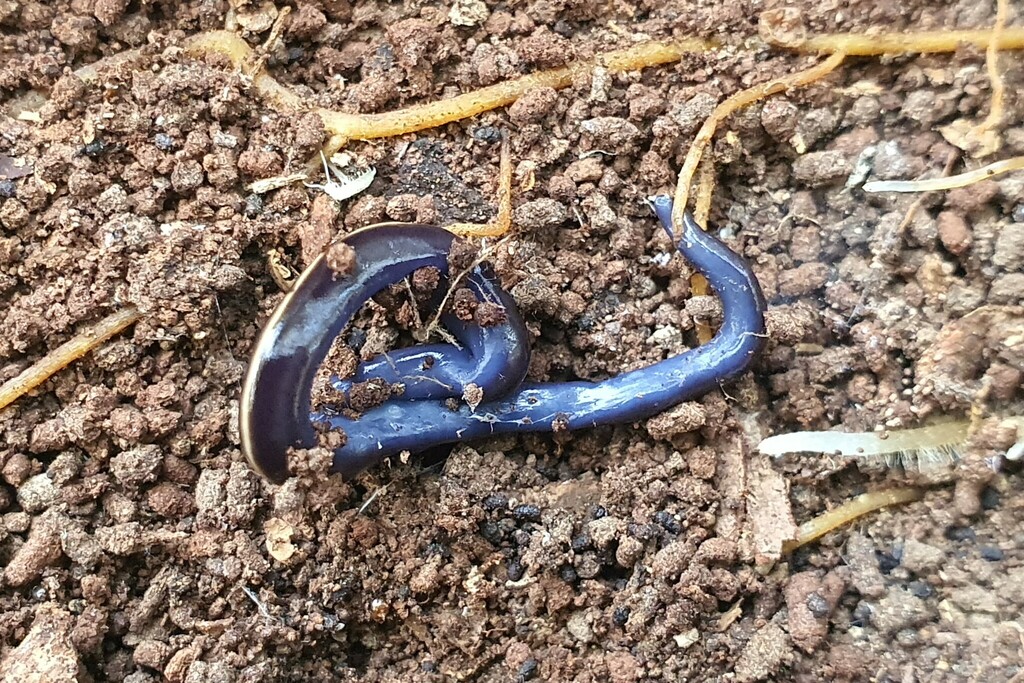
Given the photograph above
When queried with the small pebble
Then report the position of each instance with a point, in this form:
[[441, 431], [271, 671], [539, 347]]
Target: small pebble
[[515, 569], [581, 542], [495, 501], [921, 589], [667, 522], [862, 614], [818, 605], [620, 616], [992, 554], [253, 205], [989, 498], [960, 533], [886, 562], [526, 513], [164, 142], [528, 670]]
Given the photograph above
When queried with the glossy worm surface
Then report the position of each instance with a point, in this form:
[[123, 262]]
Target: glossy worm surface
[[275, 410]]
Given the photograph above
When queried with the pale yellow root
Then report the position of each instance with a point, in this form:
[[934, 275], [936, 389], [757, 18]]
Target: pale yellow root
[[702, 212], [723, 110], [995, 112], [848, 512], [926, 42], [433, 114], [947, 182], [502, 222], [65, 354]]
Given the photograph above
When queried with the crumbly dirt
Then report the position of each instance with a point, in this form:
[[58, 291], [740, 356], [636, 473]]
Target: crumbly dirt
[[135, 543]]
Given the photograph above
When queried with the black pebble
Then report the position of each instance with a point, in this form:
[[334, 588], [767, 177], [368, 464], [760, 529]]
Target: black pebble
[[526, 513], [488, 134], [886, 562], [620, 616], [528, 670], [492, 532], [356, 339], [992, 554], [818, 605], [439, 549], [861, 614], [515, 569], [989, 498], [581, 542], [94, 148], [568, 574], [921, 589], [494, 501], [667, 522], [7, 188], [960, 533]]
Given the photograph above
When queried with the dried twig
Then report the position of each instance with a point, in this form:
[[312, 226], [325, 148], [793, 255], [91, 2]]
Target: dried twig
[[65, 354]]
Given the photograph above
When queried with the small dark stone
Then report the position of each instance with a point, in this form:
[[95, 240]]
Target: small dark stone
[[7, 188], [921, 589], [528, 670], [886, 562], [861, 614], [526, 513], [495, 501], [818, 605], [356, 339], [515, 569], [960, 533], [667, 521], [488, 134], [492, 532], [439, 549], [164, 142], [94, 148], [568, 574], [598, 512], [620, 616], [991, 553], [428, 667], [990, 498], [581, 542], [253, 205]]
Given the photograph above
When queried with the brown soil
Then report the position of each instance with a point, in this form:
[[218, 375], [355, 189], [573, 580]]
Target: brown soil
[[136, 544]]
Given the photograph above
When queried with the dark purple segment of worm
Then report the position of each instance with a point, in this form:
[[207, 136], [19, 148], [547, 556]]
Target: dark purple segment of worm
[[495, 361], [417, 425], [275, 405]]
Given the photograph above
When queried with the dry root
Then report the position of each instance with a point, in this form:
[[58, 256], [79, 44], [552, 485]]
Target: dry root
[[849, 511], [432, 114], [65, 354]]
